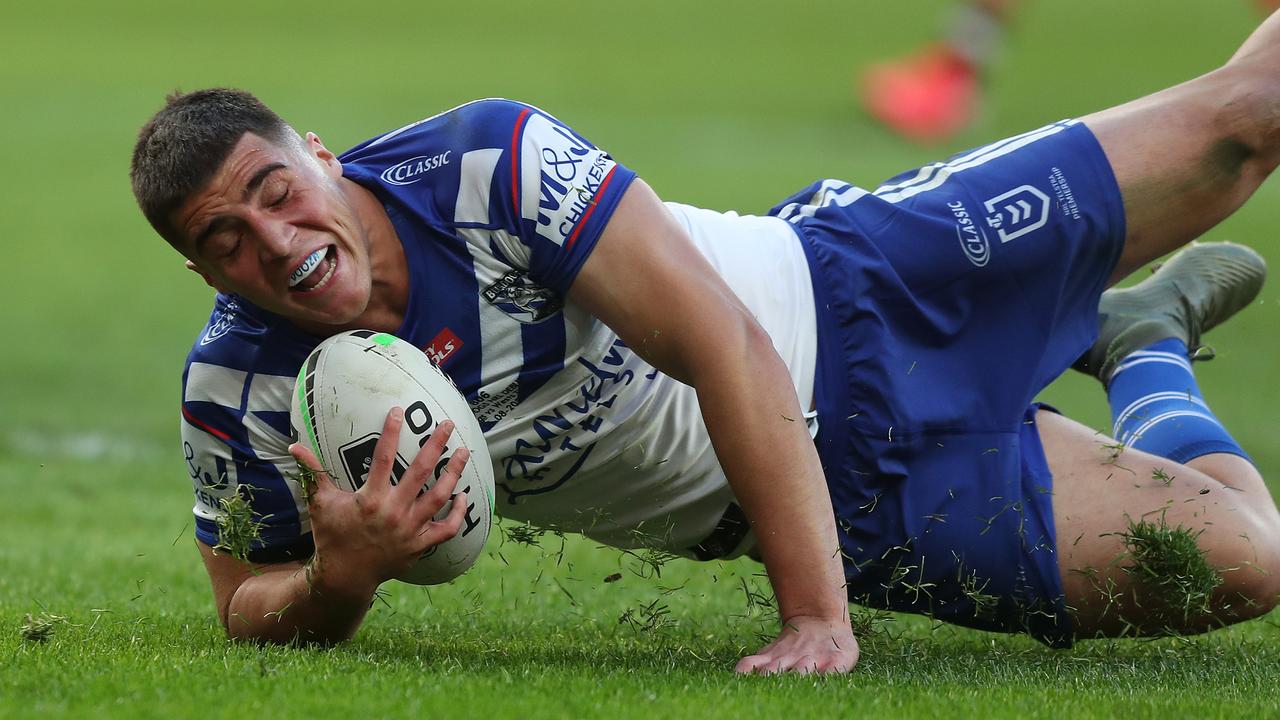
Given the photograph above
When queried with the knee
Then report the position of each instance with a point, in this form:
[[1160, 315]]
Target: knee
[[1251, 584], [1247, 113], [1253, 592]]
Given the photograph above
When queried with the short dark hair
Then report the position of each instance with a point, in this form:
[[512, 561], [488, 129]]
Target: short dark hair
[[183, 145]]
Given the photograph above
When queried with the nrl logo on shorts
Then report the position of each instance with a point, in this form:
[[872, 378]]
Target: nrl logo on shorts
[[516, 295], [1022, 210]]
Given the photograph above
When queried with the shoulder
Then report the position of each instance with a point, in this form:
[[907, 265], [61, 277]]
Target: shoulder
[[240, 341], [486, 123], [479, 122], [434, 148]]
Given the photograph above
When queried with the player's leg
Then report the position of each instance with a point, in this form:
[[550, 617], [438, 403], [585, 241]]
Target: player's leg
[[1134, 514], [1187, 157], [1122, 581]]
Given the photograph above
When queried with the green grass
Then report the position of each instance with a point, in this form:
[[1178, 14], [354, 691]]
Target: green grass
[[722, 104]]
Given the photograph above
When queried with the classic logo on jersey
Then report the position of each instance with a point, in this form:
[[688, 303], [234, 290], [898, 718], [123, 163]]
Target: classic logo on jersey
[[442, 346], [1013, 214], [357, 458], [570, 173], [973, 241], [223, 324], [408, 172], [518, 296]]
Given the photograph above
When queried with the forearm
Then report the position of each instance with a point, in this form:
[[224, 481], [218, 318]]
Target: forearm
[[757, 429], [299, 604]]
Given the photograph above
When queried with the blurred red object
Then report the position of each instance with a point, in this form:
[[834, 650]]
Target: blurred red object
[[926, 97]]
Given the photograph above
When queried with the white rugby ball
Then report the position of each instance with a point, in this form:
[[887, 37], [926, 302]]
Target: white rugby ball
[[345, 390]]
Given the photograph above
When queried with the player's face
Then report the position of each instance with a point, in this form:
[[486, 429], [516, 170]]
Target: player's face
[[275, 226]]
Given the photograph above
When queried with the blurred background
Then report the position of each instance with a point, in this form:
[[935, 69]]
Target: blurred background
[[728, 104]]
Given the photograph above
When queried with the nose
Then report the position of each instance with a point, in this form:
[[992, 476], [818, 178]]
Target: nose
[[275, 237]]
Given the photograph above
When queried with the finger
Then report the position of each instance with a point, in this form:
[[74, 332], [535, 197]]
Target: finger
[[423, 466], [318, 481], [436, 497], [755, 665], [384, 454], [438, 531], [838, 666], [837, 662], [803, 665], [773, 667]]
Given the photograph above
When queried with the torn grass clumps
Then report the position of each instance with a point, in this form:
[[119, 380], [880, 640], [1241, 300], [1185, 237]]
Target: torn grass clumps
[[237, 528], [525, 534], [39, 628], [1169, 564]]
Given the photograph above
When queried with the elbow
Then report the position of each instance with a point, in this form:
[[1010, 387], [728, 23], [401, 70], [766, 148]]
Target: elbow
[[242, 630], [738, 349], [752, 342]]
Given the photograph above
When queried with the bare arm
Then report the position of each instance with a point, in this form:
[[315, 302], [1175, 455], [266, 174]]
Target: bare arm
[[362, 539], [647, 281], [280, 602]]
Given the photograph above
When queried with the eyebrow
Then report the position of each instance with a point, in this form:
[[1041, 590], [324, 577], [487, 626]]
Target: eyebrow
[[259, 177], [254, 183]]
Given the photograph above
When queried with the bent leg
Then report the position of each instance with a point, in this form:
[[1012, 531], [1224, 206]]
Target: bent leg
[[1187, 157], [1100, 491]]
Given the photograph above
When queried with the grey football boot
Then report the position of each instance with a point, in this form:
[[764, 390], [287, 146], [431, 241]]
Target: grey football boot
[[1189, 295]]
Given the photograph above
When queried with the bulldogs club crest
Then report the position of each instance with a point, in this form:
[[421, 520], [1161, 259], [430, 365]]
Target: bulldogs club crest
[[518, 296]]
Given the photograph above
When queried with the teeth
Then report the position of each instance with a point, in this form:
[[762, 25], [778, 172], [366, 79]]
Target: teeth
[[333, 265], [307, 267]]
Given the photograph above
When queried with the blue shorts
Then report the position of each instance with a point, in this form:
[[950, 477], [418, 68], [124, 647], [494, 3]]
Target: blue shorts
[[947, 299]]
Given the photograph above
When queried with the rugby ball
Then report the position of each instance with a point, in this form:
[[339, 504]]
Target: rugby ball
[[343, 394]]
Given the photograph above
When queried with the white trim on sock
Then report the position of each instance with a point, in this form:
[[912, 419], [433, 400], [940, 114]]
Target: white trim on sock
[[1146, 400], [1137, 434]]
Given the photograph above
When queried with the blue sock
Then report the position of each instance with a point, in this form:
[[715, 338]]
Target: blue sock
[[1156, 406]]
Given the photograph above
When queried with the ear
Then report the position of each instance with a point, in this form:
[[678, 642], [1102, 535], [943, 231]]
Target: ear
[[326, 157], [203, 275]]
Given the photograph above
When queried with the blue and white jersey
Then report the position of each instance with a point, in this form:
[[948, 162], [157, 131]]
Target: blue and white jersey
[[498, 205]]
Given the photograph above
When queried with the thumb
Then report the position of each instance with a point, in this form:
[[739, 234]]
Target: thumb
[[314, 480]]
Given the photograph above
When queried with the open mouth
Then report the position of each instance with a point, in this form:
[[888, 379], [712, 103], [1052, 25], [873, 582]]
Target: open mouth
[[315, 271]]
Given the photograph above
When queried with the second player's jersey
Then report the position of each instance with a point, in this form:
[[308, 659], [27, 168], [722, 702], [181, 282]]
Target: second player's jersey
[[497, 206]]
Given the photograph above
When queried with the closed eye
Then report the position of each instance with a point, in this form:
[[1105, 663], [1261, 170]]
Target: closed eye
[[232, 250], [223, 244]]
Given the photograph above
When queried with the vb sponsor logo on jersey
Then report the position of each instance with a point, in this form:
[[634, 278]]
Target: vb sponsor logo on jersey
[[408, 172], [518, 296], [442, 347]]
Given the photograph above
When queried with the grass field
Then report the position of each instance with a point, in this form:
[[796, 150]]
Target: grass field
[[718, 103]]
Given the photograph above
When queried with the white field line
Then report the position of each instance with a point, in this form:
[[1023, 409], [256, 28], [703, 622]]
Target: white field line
[[91, 445]]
